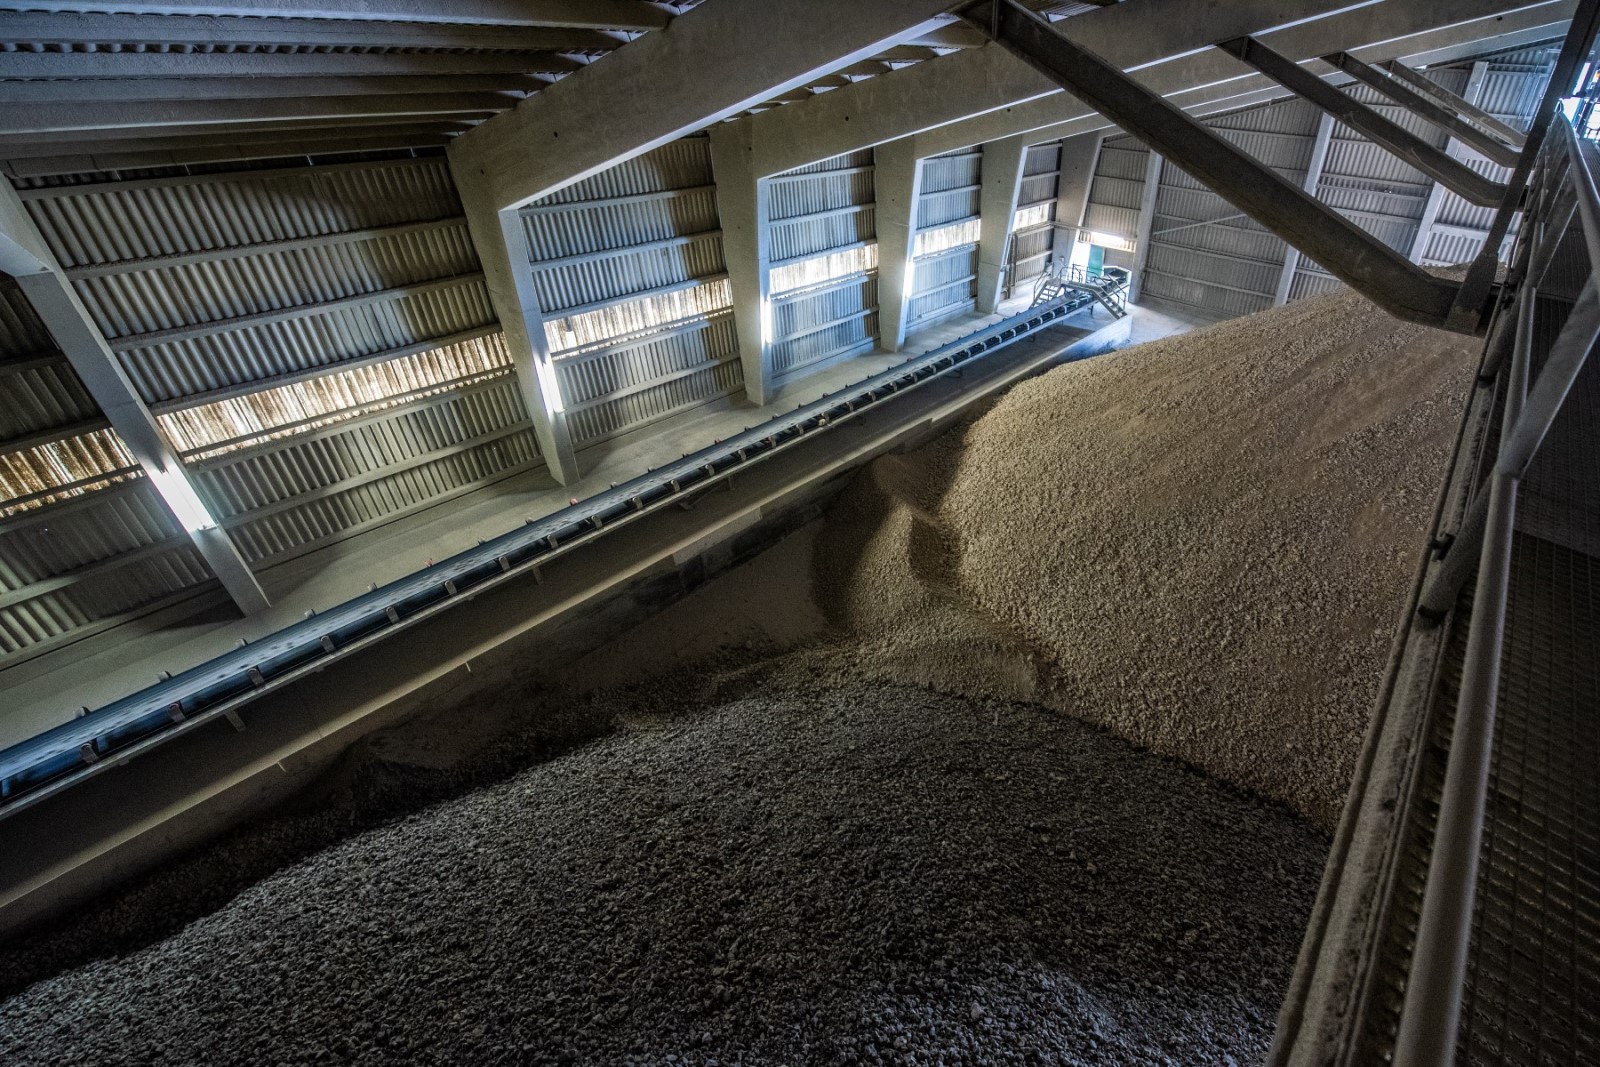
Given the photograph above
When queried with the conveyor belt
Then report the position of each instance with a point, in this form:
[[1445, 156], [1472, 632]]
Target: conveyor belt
[[104, 737]]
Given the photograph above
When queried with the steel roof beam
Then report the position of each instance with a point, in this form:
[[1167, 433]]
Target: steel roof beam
[[27, 258], [580, 14], [273, 32], [1451, 100], [118, 65]]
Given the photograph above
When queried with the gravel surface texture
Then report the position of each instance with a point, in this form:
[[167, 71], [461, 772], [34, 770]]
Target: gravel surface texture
[[785, 866], [1201, 543]]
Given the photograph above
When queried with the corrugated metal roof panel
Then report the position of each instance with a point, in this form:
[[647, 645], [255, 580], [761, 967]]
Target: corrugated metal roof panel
[[677, 165], [626, 272], [240, 483], [159, 299], [39, 475], [1186, 290], [45, 397], [862, 158], [319, 520], [590, 425], [824, 192], [811, 237], [637, 316], [857, 334], [811, 308], [239, 422], [939, 272], [1038, 187], [597, 227], [198, 364], [952, 171], [943, 208], [35, 546], [1042, 159], [1252, 276], [600, 375], [22, 335], [134, 220]]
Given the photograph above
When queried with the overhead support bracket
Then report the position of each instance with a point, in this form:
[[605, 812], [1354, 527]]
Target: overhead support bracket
[[1488, 145], [1352, 255], [1434, 162], [1463, 107]]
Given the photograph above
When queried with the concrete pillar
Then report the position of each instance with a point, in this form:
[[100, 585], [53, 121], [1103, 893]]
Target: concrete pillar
[[1319, 159], [897, 175], [1003, 163], [503, 252], [1078, 158], [746, 249], [1430, 210], [1147, 218], [25, 256]]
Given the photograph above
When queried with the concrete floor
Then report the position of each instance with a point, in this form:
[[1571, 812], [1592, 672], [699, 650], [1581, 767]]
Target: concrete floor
[[43, 692]]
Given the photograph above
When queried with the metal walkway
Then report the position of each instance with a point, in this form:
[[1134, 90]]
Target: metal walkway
[[1459, 921]]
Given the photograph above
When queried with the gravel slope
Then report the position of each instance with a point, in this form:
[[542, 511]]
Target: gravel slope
[[808, 869], [1200, 543]]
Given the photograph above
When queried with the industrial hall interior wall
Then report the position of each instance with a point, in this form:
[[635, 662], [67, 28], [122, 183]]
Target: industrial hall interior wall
[[318, 344]]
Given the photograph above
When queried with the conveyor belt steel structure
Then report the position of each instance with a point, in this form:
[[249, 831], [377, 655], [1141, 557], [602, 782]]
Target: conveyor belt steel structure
[[73, 751]]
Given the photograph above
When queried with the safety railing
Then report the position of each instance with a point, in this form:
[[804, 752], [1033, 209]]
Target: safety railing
[[1385, 965]]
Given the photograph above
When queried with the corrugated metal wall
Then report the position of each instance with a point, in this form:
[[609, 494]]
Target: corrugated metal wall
[[823, 255], [1511, 87], [1033, 224], [1230, 265], [1203, 252], [629, 270], [317, 342], [945, 254]]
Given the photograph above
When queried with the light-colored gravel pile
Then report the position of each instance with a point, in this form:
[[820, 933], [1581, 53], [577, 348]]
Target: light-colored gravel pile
[[799, 858], [1200, 543], [798, 869]]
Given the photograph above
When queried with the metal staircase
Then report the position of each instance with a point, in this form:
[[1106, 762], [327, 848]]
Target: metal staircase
[[1109, 288]]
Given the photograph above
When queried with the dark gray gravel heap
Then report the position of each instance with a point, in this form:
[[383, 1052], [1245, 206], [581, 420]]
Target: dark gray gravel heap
[[814, 870]]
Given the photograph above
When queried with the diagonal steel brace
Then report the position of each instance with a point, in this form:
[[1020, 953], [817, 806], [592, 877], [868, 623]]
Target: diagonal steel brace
[[1463, 107], [1434, 162], [1352, 255], [1430, 111]]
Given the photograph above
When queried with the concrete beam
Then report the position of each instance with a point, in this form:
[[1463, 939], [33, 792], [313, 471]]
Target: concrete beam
[[1147, 218], [586, 14], [32, 27], [218, 115], [1003, 163], [27, 258], [1386, 30], [503, 252], [897, 177], [81, 158], [1445, 45], [981, 80], [1319, 159], [108, 66], [742, 207], [662, 87], [1078, 157], [108, 90]]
